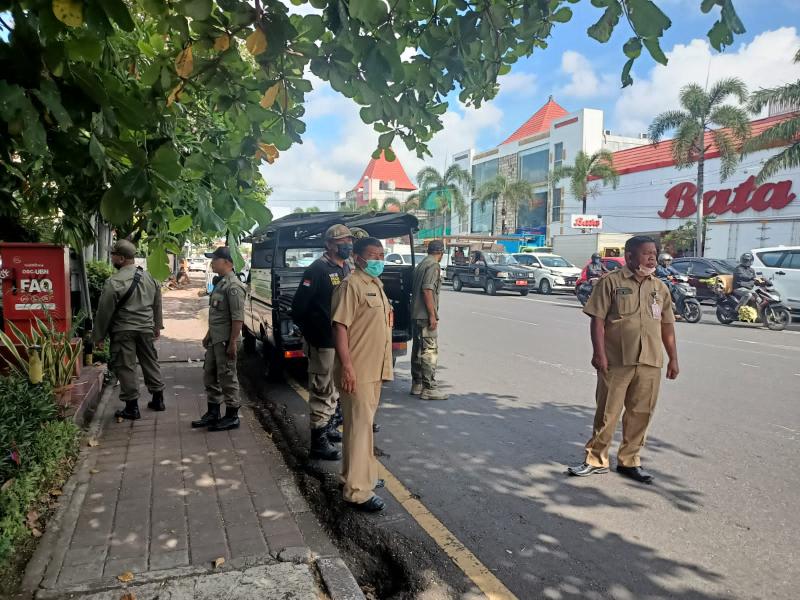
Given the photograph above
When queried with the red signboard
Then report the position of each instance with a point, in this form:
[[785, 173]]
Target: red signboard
[[36, 283], [681, 198]]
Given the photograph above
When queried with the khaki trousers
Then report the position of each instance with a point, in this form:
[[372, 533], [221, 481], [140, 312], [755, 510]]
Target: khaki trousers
[[359, 467], [636, 390], [125, 348], [219, 376], [424, 355], [321, 393]]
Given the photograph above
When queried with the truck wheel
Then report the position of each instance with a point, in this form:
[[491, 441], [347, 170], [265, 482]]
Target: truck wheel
[[248, 341], [491, 287], [273, 364], [545, 287], [457, 285], [523, 292]]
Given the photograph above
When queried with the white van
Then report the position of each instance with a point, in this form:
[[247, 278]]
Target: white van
[[782, 265]]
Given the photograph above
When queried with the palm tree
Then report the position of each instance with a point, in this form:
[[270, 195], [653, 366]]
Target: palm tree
[[785, 132], [704, 112], [587, 167], [446, 189], [511, 194]]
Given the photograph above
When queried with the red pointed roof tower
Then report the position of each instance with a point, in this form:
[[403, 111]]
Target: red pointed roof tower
[[384, 170], [539, 122]]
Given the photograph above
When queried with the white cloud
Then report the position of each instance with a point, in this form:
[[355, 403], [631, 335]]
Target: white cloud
[[583, 81], [514, 83], [764, 62]]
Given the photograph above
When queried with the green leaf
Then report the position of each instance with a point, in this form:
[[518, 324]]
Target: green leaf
[[34, 136], [236, 254], [118, 12], [84, 49], [633, 47], [389, 154], [654, 48], [180, 224], [97, 152], [224, 204], [150, 75], [626, 73], [369, 12], [50, 96], [115, 207], [562, 15], [165, 163], [133, 184], [208, 220], [648, 20], [707, 5], [157, 264], [256, 210], [601, 31], [198, 9], [157, 8], [385, 140]]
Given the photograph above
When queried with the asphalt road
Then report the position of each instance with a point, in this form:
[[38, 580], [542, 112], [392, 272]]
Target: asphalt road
[[721, 519]]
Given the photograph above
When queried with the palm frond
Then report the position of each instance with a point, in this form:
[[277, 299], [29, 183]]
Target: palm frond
[[786, 94], [788, 158], [694, 100], [779, 134], [685, 144], [733, 118], [666, 122], [729, 155], [729, 86]]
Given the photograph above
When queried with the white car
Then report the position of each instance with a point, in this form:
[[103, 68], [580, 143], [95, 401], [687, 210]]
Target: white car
[[197, 264], [396, 258], [782, 265], [553, 273]]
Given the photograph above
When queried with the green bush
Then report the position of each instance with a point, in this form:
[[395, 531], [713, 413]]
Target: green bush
[[24, 408], [97, 272], [54, 446]]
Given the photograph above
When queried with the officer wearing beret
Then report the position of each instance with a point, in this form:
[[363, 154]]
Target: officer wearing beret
[[225, 318], [129, 311]]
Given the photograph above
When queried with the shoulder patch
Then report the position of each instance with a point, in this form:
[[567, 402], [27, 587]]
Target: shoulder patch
[[235, 291]]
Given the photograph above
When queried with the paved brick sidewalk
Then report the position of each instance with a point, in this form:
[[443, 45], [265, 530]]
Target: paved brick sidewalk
[[154, 495]]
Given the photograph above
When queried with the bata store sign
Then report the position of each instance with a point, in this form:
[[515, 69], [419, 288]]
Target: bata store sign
[[587, 222], [681, 199]]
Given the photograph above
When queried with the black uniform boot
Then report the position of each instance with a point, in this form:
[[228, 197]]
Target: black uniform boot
[[229, 421], [321, 446], [332, 431], [210, 418], [131, 411], [157, 403], [337, 418]]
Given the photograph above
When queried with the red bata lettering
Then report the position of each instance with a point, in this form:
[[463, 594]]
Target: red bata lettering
[[681, 201], [581, 222]]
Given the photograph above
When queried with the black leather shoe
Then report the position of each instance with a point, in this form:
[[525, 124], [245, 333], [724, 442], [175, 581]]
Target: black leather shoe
[[157, 403], [374, 504], [333, 432], [375, 428], [635, 473], [321, 446], [585, 470], [210, 418], [130, 412], [229, 421]]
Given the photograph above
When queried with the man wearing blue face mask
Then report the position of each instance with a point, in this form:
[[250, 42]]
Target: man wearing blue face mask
[[311, 311], [362, 332]]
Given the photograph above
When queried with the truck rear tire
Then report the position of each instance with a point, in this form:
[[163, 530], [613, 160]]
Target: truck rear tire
[[248, 341], [523, 293], [491, 287], [273, 364], [457, 285]]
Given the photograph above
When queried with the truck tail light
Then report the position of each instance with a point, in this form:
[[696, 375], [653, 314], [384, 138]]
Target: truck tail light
[[293, 354], [399, 345]]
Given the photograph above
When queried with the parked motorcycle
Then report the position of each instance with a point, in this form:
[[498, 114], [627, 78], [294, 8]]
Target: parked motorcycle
[[585, 290], [764, 306], [684, 298]]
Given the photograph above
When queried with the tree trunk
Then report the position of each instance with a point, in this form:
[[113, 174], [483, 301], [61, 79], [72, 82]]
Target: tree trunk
[[700, 181], [583, 206]]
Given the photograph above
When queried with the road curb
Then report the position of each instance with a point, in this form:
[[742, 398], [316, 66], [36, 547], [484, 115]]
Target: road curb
[[338, 579]]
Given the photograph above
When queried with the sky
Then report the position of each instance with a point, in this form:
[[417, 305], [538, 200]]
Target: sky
[[578, 71]]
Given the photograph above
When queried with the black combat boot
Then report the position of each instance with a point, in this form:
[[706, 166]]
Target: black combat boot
[[131, 411], [229, 421], [321, 446], [210, 418], [157, 403], [337, 418], [332, 431]]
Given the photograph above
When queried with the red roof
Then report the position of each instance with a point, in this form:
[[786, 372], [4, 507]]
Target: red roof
[[645, 158], [539, 122], [383, 170]]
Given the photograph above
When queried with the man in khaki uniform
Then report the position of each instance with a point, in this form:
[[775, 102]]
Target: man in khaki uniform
[[129, 311], [425, 315], [362, 330], [225, 318], [632, 317]]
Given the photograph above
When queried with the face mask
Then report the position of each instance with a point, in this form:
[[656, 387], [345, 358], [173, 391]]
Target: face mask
[[645, 271], [374, 268], [344, 251], [595, 261]]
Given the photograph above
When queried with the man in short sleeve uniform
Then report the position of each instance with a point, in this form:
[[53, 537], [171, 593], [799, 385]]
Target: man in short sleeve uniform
[[362, 325], [632, 318], [225, 318], [425, 314], [311, 310]]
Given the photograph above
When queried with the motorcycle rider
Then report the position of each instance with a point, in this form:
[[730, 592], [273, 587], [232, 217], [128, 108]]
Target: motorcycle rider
[[596, 268], [665, 270], [744, 280]]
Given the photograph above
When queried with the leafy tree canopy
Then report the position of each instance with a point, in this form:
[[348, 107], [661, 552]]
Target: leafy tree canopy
[[159, 113]]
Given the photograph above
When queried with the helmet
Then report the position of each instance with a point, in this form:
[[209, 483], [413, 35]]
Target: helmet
[[358, 233], [664, 258], [746, 259], [595, 257]]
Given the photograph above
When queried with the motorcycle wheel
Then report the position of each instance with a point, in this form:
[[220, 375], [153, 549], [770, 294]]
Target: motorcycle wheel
[[723, 316], [776, 318], [692, 311]]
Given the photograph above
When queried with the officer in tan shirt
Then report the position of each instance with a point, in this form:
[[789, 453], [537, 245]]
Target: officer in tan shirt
[[632, 318], [362, 333]]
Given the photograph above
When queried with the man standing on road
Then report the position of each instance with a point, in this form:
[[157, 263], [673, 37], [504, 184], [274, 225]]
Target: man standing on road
[[225, 318], [129, 311], [311, 310], [632, 317], [425, 315], [362, 332]]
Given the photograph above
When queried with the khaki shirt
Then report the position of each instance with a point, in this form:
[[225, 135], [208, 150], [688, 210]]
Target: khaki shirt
[[633, 333], [225, 305], [142, 311], [361, 305], [427, 276]]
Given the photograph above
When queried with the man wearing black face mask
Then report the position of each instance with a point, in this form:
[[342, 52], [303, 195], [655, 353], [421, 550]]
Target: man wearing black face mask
[[311, 311]]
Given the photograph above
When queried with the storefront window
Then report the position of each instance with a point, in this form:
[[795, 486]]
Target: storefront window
[[532, 216], [533, 166], [485, 171], [556, 216], [483, 214]]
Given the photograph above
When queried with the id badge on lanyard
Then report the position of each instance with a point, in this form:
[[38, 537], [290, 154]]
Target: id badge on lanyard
[[656, 307]]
